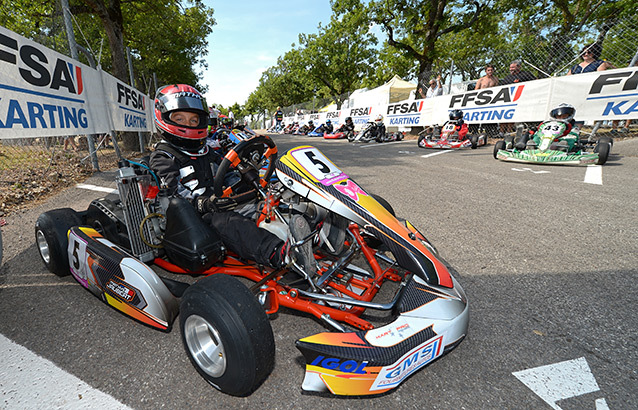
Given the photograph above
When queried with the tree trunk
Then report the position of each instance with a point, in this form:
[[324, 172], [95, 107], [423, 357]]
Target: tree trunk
[[111, 16]]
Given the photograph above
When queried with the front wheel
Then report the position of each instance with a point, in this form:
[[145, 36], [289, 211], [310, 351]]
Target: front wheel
[[226, 334], [474, 141], [498, 146], [419, 142]]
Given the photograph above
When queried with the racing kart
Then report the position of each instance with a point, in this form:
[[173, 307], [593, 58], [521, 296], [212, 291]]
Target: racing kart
[[340, 133], [545, 147], [359, 247], [368, 133], [448, 138], [319, 131]]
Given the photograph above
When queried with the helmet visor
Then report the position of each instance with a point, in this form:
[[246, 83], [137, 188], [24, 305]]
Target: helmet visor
[[184, 101]]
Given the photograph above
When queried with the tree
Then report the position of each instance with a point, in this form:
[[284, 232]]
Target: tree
[[414, 27], [340, 56]]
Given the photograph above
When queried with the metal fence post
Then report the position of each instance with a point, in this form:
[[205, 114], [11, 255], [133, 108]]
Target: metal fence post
[[73, 47], [130, 73]]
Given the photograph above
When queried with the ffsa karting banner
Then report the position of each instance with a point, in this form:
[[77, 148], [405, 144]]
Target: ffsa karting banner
[[45, 93], [602, 95]]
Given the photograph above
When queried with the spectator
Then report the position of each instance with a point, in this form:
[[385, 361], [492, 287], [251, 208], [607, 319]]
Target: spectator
[[231, 115], [279, 117], [419, 95], [435, 88], [488, 80], [516, 75], [591, 61]]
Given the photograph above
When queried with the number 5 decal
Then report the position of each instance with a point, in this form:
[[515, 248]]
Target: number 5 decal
[[77, 254]]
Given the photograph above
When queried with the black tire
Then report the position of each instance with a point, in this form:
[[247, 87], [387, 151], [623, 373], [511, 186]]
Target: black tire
[[474, 141], [418, 142], [602, 148], [498, 146], [0, 246], [51, 238], [608, 140], [226, 334]]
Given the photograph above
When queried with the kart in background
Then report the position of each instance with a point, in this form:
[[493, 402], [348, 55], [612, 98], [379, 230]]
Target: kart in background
[[448, 138], [545, 148], [359, 247]]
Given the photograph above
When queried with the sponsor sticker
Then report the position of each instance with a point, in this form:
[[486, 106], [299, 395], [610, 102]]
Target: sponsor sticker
[[391, 376]]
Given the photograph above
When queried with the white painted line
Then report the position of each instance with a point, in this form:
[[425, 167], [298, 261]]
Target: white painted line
[[436, 153], [96, 188], [601, 404], [530, 170], [28, 381], [594, 175], [560, 381]]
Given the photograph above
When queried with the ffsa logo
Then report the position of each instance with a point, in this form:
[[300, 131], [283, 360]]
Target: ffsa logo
[[489, 96], [130, 97], [38, 70]]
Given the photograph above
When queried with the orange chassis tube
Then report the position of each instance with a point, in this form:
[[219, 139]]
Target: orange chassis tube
[[288, 297]]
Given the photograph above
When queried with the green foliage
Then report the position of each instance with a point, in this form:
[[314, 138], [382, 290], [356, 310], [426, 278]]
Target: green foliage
[[166, 37]]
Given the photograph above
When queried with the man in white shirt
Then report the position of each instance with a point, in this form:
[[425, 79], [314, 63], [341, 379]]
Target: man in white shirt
[[435, 88]]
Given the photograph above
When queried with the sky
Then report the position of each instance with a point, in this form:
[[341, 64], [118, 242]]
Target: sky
[[249, 37]]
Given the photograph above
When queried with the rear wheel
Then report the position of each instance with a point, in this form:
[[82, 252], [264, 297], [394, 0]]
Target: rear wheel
[[226, 334], [51, 238], [498, 146]]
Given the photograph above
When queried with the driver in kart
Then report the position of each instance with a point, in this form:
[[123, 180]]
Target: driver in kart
[[460, 127], [563, 113], [186, 166]]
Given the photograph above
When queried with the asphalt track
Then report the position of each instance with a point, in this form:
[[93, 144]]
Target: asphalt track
[[547, 255]]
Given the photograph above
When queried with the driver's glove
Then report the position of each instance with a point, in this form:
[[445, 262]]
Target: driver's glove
[[213, 204]]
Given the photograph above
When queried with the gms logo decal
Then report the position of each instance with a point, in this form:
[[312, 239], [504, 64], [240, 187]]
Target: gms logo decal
[[491, 104], [35, 69], [622, 85], [360, 115], [392, 376], [405, 113]]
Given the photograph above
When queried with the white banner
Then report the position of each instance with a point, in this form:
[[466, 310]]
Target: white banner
[[602, 95], [45, 93]]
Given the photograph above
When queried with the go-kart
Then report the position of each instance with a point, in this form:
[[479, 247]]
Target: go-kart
[[448, 138], [359, 247], [545, 147], [320, 130], [340, 133]]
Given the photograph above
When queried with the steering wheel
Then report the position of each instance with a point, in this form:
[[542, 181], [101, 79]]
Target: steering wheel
[[248, 157]]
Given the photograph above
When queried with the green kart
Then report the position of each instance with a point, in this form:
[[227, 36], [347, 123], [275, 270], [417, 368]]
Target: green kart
[[549, 146]]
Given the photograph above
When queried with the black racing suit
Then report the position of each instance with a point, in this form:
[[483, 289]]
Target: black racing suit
[[189, 176]]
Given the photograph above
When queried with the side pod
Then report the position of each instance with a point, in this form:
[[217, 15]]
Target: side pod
[[120, 280]]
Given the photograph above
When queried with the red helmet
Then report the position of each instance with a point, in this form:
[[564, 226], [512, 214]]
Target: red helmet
[[181, 97]]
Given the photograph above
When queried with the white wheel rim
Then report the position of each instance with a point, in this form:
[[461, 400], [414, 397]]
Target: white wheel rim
[[205, 345], [43, 246]]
